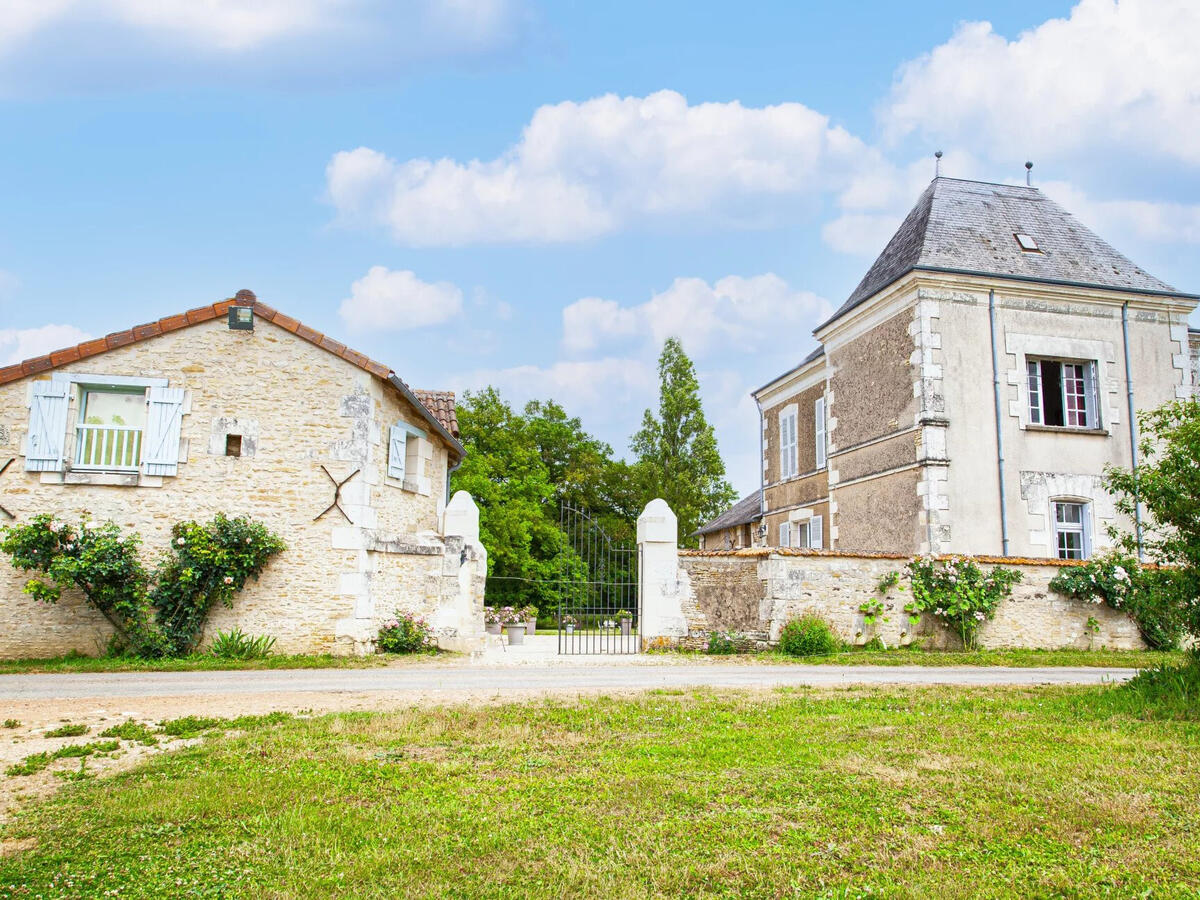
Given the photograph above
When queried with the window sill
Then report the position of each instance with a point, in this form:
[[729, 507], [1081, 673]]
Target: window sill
[[1067, 429]]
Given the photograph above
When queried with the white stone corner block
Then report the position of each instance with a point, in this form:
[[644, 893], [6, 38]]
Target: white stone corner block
[[462, 517], [657, 524]]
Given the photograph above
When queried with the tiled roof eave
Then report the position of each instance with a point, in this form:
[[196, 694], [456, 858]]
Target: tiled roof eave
[[38, 364]]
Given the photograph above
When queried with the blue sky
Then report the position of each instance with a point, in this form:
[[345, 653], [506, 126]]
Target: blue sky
[[535, 194]]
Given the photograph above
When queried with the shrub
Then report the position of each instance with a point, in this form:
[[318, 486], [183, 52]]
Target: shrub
[[403, 634], [721, 643], [808, 636], [959, 593], [207, 564], [1148, 596], [68, 730], [159, 614], [236, 644], [100, 562]]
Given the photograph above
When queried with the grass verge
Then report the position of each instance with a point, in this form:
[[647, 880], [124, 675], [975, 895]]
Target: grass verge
[[905, 656], [197, 662], [859, 793]]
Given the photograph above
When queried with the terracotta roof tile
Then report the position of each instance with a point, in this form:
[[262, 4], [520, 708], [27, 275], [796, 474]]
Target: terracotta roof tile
[[438, 404], [441, 404]]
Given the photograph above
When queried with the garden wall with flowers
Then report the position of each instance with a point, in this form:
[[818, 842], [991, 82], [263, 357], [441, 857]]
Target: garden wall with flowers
[[939, 603]]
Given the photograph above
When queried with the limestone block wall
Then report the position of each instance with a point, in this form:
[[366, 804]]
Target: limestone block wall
[[719, 589], [306, 417]]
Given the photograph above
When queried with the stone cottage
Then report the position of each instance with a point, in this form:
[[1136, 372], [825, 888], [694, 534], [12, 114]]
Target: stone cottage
[[240, 409], [970, 391]]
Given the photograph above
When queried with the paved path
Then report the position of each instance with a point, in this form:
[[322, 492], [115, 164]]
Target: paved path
[[423, 681]]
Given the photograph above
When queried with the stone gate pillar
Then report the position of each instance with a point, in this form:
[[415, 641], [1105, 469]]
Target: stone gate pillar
[[663, 621]]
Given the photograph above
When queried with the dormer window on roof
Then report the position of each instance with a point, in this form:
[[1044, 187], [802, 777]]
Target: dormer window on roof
[[1027, 243]]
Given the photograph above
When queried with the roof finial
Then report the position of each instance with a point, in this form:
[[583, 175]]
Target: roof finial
[[1028, 174], [937, 164]]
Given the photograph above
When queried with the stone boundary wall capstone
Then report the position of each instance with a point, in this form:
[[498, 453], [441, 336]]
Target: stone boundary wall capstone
[[752, 593]]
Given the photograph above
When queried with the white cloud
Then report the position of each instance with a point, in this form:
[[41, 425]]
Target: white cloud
[[1111, 74], [586, 169], [599, 389], [396, 300], [734, 313], [19, 344], [99, 43]]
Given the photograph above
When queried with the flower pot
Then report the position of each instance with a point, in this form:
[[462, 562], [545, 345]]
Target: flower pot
[[493, 627], [516, 632], [569, 629], [530, 626], [626, 626]]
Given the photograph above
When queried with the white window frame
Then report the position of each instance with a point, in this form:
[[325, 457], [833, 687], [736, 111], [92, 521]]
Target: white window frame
[[1036, 399], [103, 461], [789, 450], [819, 437], [1083, 529]]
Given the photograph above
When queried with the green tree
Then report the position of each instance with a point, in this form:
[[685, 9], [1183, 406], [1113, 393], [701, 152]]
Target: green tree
[[1167, 485], [677, 456], [505, 473]]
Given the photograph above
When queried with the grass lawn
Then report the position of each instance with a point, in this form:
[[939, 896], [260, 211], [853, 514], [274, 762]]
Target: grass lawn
[[859, 793], [903, 656], [198, 662]]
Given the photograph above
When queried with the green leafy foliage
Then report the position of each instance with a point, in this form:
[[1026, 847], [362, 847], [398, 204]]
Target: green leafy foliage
[[71, 729], [676, 449], [1165, 691], [153, 615], [207, 564], [1167, 486], [808, 636], [236, 644], [1148, 596], [721, 643], [406, 633], [98, 561], [959, 593]]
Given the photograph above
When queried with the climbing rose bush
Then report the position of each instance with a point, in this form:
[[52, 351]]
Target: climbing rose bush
[[959, 593], [1147, 595], [96, 559], [153, 614]]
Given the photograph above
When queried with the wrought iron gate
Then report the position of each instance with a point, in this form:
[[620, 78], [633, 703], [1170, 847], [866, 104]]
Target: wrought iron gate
[[599, 597], [592, 597]]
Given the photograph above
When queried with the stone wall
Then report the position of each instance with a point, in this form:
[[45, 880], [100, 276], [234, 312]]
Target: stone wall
[[721, 592], [303, 412]]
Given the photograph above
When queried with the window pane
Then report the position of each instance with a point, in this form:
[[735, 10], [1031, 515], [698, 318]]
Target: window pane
[[1035, 392], [1074, 395], [112, 408], [1069, 513], [1070, 545]]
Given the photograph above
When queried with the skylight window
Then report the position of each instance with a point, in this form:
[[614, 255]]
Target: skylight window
[[1027, 243]]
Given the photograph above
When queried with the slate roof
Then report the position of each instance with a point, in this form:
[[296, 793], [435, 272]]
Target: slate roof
[[969, 227], [745, 511], [439, 411]]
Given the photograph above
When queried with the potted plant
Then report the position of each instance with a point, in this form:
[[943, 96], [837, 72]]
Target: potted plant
[[491, 620], [514, 624], [530, 614], [568, 624], [625, 620]]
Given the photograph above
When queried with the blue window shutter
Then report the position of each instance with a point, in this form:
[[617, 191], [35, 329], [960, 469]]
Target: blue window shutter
[[164, 426], [47, 427], [397, 450]]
